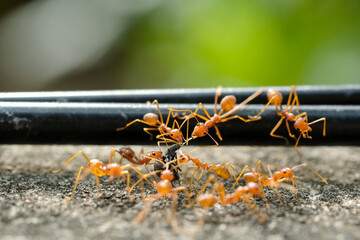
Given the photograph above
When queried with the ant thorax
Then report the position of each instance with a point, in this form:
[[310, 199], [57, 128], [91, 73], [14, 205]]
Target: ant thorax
[[251, 177], [289, 116], [210, 123]]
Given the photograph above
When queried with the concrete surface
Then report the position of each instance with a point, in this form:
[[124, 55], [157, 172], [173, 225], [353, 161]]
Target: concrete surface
[[33, 206]]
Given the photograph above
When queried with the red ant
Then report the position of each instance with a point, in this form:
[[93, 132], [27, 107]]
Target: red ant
[[276, 98], [218, 169], [241, 194], [285, 174], [143, 159], [164, 189], [99, 169], [227, 105], [152, 120]]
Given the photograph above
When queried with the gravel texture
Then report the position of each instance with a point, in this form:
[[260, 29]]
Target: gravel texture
[[33, 206]]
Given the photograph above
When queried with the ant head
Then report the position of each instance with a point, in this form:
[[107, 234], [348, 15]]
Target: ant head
[[183, 159], [253, 188], [163, 187], [287, 172], [301, 124], [151, 118], [228, 103], [167, 175], [155, 154], [176, 135], [200, 130]]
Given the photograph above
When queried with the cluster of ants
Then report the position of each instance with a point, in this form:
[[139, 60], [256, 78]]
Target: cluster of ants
[[167, 165]]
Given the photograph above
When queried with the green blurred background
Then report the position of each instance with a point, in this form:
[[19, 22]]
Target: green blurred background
[[108, 44]]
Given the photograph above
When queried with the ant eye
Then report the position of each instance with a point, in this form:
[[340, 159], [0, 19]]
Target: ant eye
[[197, 124], [153, 154], [284, 171], [171, 134]]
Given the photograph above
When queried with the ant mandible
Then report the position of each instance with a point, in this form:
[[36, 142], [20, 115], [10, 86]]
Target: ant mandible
[[99, 169]]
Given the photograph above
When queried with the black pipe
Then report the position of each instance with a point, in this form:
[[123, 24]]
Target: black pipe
[[95, 123], [341, 94]]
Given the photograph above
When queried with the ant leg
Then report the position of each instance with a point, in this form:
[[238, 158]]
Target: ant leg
[[112, 155], [302, 114], [297, 141], [273, 183], [288, 128], [259, 163], [192, 178], [150, 129], [98, 185], [202, 171], [241, 173], [134, 168], [188, 195], [76, 182], [147, 169], [247, 100], [321, 119], [289, 99], [217, 95], [232, 171], [147, 207], [80, 152], [130, 123], [187, 169], [294, 190], [295, 100], [241, 118], [171, 216], [208, 181], [306, 165], [218, 132], [257, 117], [275, 128], [158, 107]]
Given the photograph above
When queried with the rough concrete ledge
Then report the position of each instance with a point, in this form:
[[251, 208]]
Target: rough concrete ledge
[[32, 204]]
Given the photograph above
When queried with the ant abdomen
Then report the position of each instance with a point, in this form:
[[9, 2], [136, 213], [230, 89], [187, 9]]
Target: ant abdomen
[[275, 95], [127, 151], [251, 177], [207, 200], [151, 118], [228, 103]]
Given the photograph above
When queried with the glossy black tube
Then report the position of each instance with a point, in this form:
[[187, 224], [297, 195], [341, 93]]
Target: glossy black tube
[[95, 123], [341, 94]]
